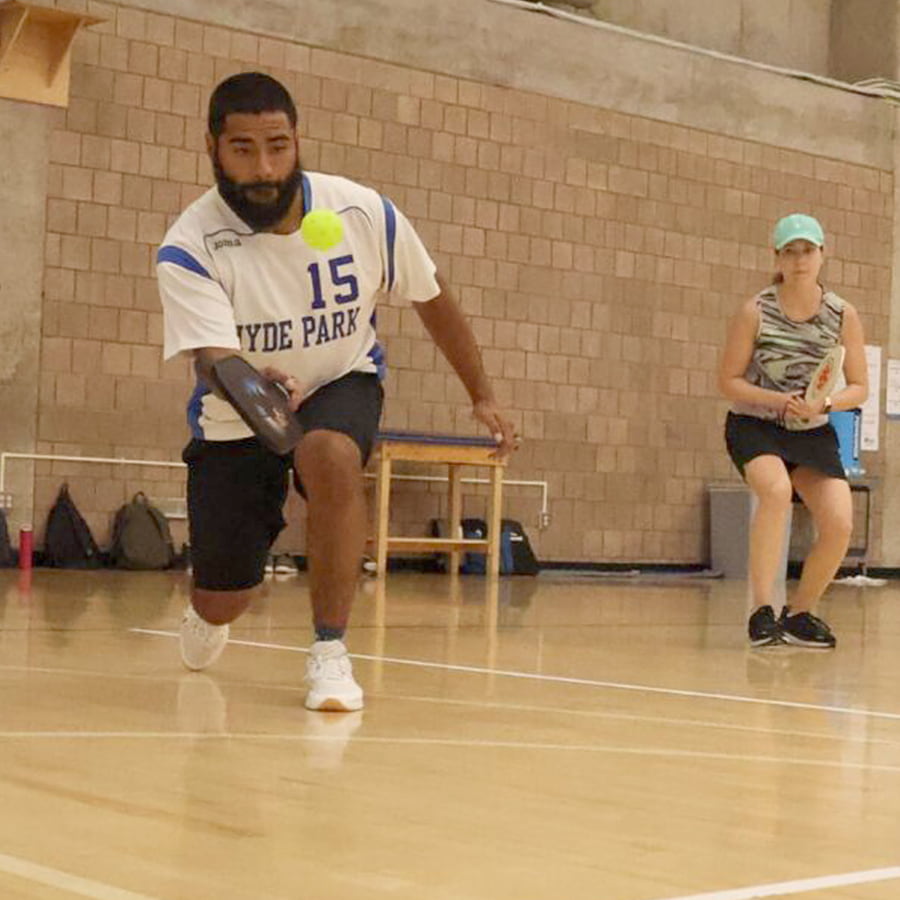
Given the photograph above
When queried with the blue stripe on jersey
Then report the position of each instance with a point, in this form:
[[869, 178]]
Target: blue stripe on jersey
[[307, 195], [376, 354], [179, 257], [195, 409], [390, 224]]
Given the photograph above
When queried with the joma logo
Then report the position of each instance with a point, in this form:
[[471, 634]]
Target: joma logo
[[226, 242]]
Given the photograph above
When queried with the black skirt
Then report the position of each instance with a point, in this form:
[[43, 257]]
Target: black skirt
[[817, 448]]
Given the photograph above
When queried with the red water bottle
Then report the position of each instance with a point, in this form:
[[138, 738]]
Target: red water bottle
[[25, 547]]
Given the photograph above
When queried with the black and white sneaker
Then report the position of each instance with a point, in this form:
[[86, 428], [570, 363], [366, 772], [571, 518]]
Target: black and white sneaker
[[806, 630], [763, 628]]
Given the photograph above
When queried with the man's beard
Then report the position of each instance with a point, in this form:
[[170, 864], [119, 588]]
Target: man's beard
[[259, 216]]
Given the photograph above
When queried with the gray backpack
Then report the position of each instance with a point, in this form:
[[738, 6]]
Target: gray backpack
[[141, 537], [6, 552]]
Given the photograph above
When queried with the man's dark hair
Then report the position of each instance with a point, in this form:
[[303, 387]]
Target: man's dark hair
[[248, 92]]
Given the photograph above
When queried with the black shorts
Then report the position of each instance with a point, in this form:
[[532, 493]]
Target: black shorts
[[236, 489], [816, 448]]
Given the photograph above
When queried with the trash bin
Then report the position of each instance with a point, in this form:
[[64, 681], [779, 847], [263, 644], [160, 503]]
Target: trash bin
[[731, 508], [729, 529]]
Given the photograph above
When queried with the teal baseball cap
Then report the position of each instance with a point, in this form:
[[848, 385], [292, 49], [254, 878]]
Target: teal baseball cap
[[798, 227]]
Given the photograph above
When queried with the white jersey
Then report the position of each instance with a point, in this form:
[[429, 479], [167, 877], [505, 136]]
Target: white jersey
[[307, 312]]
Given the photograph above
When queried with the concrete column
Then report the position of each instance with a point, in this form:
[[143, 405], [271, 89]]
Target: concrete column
[[889, 493], [24, 134]]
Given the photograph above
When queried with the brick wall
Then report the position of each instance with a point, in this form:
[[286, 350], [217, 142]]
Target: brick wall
[[598, 255]]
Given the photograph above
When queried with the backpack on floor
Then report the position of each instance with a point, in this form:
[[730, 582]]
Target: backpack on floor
[[516, 555], [438, 528], [474, 529], [474, 563], [7, 558], [141, 538], [68, 542]]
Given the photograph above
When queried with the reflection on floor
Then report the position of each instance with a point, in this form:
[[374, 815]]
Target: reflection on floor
[[526, 738]]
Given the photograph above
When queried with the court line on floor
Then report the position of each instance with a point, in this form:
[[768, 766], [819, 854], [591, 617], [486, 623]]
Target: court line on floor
[[800, 886], [565, 679], [292, 737], [645, 720], [480, 704], [55, 878]]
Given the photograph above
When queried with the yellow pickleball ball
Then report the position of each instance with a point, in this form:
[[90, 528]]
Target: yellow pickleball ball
[[322, 229]]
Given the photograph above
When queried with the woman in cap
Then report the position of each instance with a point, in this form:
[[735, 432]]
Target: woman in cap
[[774, 343]]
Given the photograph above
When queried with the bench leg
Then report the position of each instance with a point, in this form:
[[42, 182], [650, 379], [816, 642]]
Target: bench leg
[[495, 509], [455, 512]]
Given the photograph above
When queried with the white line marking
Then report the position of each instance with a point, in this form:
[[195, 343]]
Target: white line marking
[[54, 878], [801, 886], [562, 679], [630, 717], [90, 673], [481, 704], [250, 736]]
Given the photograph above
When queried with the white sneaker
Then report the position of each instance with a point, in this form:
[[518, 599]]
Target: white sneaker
[[201, 643], [329, 674]]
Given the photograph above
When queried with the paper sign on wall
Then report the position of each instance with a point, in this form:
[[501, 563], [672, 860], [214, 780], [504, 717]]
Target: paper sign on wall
[[892, 400], [871, 410]]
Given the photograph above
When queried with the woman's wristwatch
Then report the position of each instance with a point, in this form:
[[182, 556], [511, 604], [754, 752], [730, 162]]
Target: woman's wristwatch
[[827, 407]]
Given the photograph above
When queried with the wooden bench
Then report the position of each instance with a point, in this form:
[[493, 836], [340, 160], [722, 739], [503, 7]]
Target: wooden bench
[[454, 452]]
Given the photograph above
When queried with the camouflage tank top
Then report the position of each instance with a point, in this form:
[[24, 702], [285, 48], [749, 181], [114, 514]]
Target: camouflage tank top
[[787, 352]]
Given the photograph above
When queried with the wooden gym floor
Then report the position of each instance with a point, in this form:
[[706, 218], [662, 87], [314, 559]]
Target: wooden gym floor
[[535, 739]]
